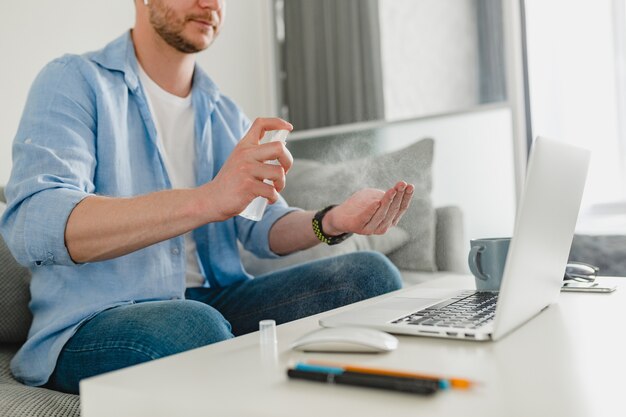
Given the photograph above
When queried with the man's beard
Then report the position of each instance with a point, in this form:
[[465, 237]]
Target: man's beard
[[170, 28]]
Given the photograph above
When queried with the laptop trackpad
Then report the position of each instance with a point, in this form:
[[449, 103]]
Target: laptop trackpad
[[407, 304], [390, 309], [418, 299]]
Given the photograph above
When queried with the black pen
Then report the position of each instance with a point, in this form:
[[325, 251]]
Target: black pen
[[412, 385]]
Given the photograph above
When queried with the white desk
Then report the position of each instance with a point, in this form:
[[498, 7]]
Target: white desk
[[568, 361]]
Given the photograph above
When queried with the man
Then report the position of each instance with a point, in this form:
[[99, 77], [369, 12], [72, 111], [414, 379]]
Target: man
[[130, 169]]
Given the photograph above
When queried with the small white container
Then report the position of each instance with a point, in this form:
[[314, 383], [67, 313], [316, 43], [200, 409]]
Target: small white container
[[267, 332], [256, 208]]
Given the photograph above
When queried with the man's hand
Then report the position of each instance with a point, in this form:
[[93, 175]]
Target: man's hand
[[240, 179], [369, 211]]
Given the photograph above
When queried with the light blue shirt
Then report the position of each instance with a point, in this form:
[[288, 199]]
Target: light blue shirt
[[87, 129]]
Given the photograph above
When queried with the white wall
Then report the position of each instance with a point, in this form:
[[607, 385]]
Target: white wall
[[473, 168], [422, 73], [241, 60], [33, 33], [573, 86]]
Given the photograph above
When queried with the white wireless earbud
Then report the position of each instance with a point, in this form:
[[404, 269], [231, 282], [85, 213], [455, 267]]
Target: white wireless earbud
[[145, 2]]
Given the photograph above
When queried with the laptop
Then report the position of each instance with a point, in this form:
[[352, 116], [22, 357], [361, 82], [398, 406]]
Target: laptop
[[533, 273]]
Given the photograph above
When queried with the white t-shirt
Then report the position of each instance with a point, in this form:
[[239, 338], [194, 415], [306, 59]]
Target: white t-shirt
[[174, 120]]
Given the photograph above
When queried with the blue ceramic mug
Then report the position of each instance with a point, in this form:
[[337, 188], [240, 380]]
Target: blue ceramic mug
[[486, 260]]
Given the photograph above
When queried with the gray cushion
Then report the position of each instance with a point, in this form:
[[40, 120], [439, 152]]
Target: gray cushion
[[15, 317], [17, 400], [389, 242], [313, 185]]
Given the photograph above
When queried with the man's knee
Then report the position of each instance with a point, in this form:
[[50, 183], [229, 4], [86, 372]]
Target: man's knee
[[372, 272], [162, 328], [191, 324], [132, 334]]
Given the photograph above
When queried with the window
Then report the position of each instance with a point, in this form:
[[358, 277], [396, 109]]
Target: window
[[577, 77]]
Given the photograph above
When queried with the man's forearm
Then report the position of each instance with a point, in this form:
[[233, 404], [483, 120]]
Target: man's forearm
[[101, 228], [294, 232]]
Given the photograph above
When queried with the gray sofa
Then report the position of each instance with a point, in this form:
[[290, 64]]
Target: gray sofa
[[429, 241], [17, 400]]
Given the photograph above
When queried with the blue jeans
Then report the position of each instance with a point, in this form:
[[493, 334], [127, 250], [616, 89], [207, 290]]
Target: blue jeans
[[132, 334]]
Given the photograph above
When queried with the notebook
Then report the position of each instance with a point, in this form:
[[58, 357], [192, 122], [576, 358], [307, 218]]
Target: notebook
[[533, 274]]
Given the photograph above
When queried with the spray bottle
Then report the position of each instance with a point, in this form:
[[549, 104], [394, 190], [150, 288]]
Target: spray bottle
[[256, 208]]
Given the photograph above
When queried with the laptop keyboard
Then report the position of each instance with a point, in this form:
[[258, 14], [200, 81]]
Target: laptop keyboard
[[469, 311]]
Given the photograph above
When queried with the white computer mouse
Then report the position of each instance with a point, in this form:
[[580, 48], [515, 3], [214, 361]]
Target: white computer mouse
[[346, 339]]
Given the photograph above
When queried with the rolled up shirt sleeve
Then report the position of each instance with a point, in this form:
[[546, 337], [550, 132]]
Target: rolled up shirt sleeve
[[255, 236], [43, 218], [53, 165]]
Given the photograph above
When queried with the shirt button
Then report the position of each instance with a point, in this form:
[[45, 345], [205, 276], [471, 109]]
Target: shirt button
[[28, 141], [175, 251]]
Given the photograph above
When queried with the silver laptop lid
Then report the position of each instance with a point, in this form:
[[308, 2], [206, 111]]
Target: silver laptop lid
[[542, 237]]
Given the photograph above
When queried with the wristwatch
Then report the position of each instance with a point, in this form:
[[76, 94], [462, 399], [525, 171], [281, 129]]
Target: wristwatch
[[319, 231]]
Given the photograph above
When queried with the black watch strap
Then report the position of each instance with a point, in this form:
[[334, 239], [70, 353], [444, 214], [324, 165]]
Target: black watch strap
[[319, 231]]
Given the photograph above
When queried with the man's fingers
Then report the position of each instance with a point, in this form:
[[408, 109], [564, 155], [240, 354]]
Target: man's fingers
[[273, 151], [274, 173], [267, 151], [262, 125], [368, 213], [380, 214], [406, 201], [394, 208], [285, 159], [261, 189]]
